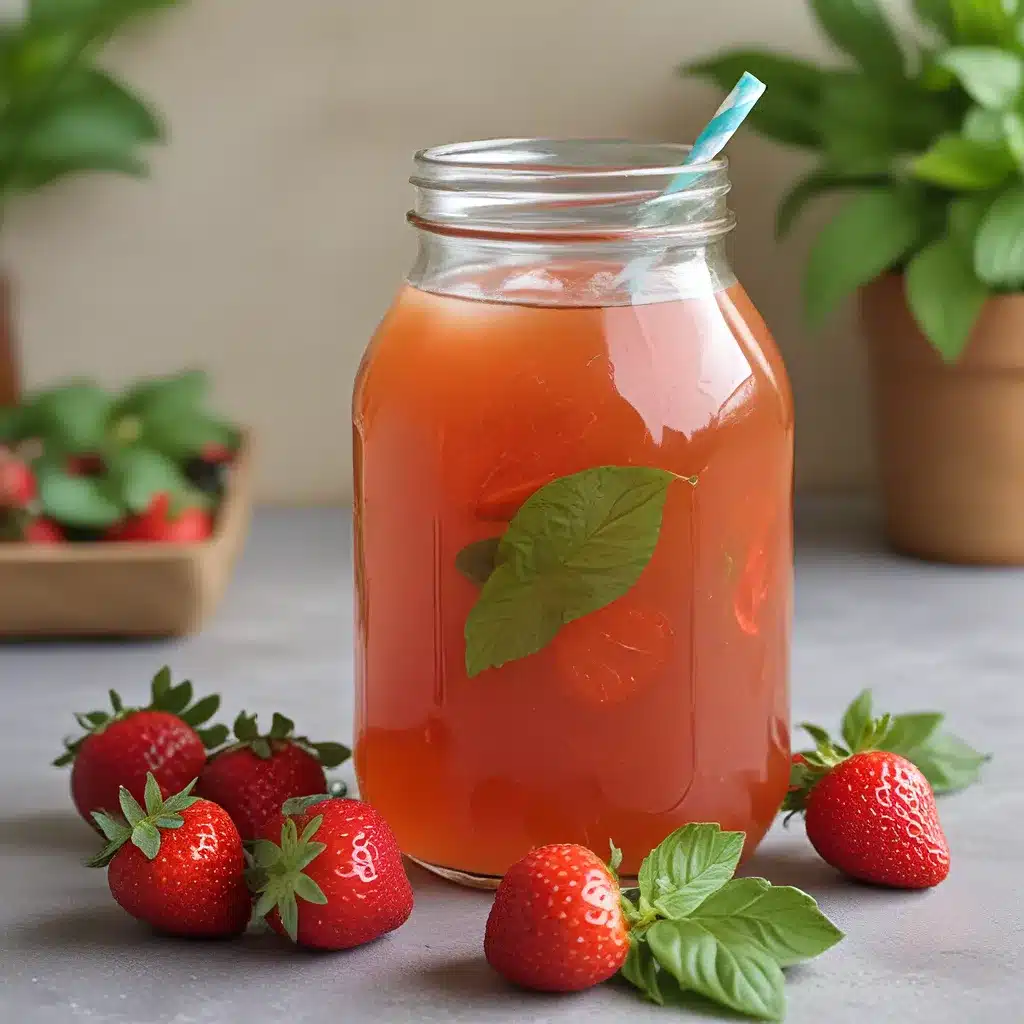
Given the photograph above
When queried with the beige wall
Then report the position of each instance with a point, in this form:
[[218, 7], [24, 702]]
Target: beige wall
[[271, 235]]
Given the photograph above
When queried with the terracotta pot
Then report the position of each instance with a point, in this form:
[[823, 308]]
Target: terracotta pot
[[950, 439], [8, 359]]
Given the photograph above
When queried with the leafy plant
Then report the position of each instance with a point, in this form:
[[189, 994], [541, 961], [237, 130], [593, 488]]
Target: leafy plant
[[60, 113], [926, 133]]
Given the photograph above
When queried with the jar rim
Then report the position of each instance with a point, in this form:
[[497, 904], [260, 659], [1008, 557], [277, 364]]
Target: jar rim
[[563, 188]]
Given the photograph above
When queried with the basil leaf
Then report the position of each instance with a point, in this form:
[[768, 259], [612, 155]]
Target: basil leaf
[[945, 296], [939, 14], [869, 235], [1013, 132], [140, 474], [784, 922], [181, 394], [859, 28], [998, 254], [947, 762], [816, 183], [641, 969], [958, 163], [981, 21], [575, 546], [72, 418], [981, 125], [476, 561], [990, 76], [856, 719], [739, 976], [75, 500], [788, 110], [910, 731], [964, 217], [687, 866]]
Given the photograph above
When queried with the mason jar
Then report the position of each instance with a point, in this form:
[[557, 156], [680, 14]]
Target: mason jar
[[573, 443]]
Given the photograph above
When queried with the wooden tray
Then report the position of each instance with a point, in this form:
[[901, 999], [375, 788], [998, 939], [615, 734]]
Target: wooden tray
[[125, 589]]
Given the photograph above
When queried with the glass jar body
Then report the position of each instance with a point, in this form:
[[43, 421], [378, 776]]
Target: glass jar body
[[490, 378]]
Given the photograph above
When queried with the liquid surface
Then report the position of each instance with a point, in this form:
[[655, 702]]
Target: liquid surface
[[667, 706]]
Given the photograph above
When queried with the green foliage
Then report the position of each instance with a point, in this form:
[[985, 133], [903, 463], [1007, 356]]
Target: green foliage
[[60, 113], [910, 130]]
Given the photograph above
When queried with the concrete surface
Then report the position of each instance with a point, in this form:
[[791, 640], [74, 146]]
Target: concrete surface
[[923, 636]]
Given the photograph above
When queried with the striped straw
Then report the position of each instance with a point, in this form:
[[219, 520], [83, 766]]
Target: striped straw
[[711, 141]]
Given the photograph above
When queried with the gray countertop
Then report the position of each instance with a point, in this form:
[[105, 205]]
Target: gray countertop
[[922, 636]]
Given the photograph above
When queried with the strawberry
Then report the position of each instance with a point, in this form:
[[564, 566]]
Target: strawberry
[[158, 524], [557, 924], [253, 777], [870, 813], [17, 483], [120, 748], [183, 870], [329, 874], [42, 531]]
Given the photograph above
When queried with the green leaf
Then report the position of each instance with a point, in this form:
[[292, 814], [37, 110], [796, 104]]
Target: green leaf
[[959, 163], [139, 474], [818, 182], [687, 866], [909, 731], [984, 126], [1013, 132], [999, 246], [964, 217], [169, 821], [288, 911], [180, 394], [476, 561], [130, 807], [573, 547], [945, 296], [146, 836], [160, 685], [213, 736], [177, 698], [870, 234], [261, 748], [947, 762], [787, 112], [778, 919], [153, 796], [991, 76], [112, 829], [281, 727], [330, 755], [939, 14], [741, 977], [856, 719], [641, 969], [307, 889], [73, 417], [182, 437], [859, 28], [107, 13], [816, 732], [245, 727], [202, 711], [75, 500], [981, 21]]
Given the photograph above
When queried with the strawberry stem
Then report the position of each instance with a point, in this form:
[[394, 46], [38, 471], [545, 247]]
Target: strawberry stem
[[140, 825]]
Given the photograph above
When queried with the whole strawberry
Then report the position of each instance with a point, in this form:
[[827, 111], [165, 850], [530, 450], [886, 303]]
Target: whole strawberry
[[329, 874], [871, 813], [176, 864], [17, 484], [557, 924], [121, 746], [253, 777]]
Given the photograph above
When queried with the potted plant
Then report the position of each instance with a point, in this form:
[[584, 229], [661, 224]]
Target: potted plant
[[60, 114], [924, 133]]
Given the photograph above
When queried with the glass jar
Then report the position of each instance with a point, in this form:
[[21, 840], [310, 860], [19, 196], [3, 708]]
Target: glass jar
[[573, 500]]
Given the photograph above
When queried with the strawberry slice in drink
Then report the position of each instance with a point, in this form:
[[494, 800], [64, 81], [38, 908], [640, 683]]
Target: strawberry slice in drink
[[608, 655]]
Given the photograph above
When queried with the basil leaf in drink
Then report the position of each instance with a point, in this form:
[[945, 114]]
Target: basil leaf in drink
[[689, 865], [574, 546], [785, 922], [738, 975], [476, 561]]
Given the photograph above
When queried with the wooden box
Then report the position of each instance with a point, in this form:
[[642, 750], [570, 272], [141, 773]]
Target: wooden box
[[125, 589]]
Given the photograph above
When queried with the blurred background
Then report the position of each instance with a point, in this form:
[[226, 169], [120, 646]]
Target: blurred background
[[271, 235]]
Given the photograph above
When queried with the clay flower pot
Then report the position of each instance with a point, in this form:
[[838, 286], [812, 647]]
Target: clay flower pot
[[950, 439]]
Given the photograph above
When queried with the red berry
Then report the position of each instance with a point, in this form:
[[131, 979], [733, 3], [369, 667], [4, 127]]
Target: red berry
[[121, 747], [17, 484], [158, 525], [183, 872], [873, 817], [213, 452], [357, 881], [43, 531], [557, 924]]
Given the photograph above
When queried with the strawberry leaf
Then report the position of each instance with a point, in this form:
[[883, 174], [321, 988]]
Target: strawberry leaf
[[307, 889], [213, 736], [153, 796], [202, 711], [281, 727], [330, 755], [130, 807], [855, 720], [146, 836]]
